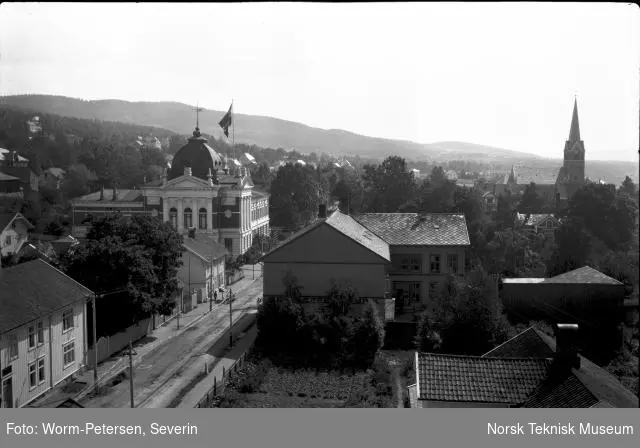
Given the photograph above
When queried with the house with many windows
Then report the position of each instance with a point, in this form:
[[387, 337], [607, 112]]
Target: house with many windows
[[43, 335], [425, 249]]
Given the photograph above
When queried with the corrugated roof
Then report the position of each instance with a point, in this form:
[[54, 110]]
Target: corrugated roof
[[205, 247], [35, 289], [476, 379], [413, 229]]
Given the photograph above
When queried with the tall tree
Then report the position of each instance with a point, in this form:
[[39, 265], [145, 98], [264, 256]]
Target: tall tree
[[388, 186], [530, 202]]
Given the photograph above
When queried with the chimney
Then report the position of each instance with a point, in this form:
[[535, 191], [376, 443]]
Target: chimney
[[567, 344], [102, 193], [187, 171], [322, 211]]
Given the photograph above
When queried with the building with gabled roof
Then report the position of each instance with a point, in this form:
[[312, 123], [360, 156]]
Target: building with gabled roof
[[425, 249], [529, 370], [14, 232], [43, 335], [203, 266]]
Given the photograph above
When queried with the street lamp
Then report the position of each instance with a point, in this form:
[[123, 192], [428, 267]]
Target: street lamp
[[131, 353]]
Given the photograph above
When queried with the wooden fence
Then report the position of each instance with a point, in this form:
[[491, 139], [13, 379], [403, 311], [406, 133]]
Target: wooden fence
[[209, 398]]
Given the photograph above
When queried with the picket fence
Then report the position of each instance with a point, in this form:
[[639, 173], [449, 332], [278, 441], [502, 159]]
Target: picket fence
[[218, 387]]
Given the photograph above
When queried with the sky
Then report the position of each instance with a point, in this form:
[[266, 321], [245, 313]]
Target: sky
[[497, 74]]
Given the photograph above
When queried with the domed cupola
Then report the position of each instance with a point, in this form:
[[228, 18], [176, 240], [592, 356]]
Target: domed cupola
[[198, 155]]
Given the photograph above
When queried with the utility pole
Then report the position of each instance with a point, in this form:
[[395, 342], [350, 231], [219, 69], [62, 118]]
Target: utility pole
[[230, 318], [95, 343], [131, 353], [180, 307]]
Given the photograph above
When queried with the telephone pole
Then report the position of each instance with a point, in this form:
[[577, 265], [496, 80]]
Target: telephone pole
[[130, 353], [230, 318], [95, 343]]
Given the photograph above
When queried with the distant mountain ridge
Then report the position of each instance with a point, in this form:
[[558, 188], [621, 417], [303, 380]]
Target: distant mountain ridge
[[250, 129], [268, 132]]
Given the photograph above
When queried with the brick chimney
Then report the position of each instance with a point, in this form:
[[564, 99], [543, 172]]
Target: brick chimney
[[567, 344], [322, 211]]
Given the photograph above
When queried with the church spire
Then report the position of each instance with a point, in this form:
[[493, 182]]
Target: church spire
[[574, 133]]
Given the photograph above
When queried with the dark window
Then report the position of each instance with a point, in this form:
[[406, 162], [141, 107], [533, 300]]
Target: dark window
[[202, 218], [435, 264], [173, 217], [188, 218], [452, 263], [228, 244]]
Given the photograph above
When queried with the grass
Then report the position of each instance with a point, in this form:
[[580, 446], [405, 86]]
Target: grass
[[260, 384]]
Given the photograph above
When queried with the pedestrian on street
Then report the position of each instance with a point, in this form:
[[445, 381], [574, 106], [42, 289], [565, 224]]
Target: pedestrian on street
[[215, 296]]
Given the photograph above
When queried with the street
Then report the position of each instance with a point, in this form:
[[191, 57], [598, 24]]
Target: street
[[166, 371]]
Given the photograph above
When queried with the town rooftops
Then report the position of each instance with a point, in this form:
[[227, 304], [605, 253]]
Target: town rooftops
[[413, 229], [586, 386], [349, 227], [35, 289], [583, 275], [205, 247], [4, 155], [476, 379], [535, 219], [6, 177]]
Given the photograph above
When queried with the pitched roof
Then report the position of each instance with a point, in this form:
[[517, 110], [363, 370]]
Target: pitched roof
[[413, 229], [349, 227], [587, 386], [574, 131], [527, 344], [4, 154], [257, 194], [35, 289], [536, 219], [585, 274], [205, 247], [123, 196], [7, 218], [476, 379], [6, 177]]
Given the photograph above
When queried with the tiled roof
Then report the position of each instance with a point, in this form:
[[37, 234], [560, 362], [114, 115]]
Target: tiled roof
[[476, 379], [585, 274], [35, 289], [349, 227], [579, 389], [412, 229], [205, 247], [357, 232], [527, 344]]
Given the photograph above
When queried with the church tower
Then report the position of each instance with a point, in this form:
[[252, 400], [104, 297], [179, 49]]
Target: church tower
[[572, 171]]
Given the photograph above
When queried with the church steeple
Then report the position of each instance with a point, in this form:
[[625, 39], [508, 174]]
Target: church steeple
[[574, 132]]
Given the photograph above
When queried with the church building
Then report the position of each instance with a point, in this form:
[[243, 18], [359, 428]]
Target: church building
[[569, 179], [198, 193]]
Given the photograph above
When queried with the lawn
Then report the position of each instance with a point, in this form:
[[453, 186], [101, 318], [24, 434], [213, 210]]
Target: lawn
[[259, 384]]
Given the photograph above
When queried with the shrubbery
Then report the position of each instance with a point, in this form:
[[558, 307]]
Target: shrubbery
[[330, 338]]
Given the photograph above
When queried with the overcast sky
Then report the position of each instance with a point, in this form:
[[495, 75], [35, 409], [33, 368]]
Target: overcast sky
[[496, 74]]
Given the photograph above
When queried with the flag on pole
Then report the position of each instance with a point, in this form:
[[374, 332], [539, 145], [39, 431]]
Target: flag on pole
[[227, 121]]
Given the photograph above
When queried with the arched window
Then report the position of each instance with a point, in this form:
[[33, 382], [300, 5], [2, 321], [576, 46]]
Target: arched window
[[188, 218], [202, 218], [173, 217]]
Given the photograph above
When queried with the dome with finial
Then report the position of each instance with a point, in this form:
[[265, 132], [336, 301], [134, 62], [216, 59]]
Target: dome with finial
[[198, 155]]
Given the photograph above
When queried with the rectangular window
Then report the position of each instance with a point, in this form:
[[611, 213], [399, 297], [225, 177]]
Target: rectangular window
[[228, 244], [41, 371], [69, 353], [32, 337], [40, 333], [67, 320], [416, 263], [13, 346], [7, 240], [32, 375], [452, 263], [433, 289], [435, 264]]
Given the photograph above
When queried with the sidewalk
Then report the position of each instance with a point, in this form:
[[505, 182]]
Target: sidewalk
[[111, 367], [224, 361]]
